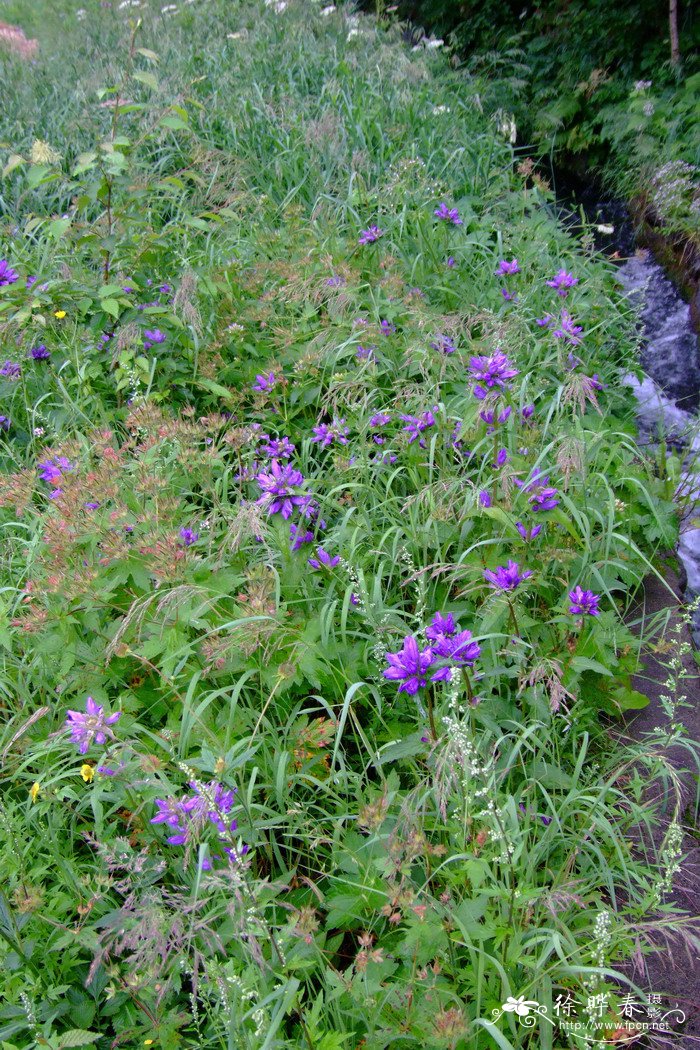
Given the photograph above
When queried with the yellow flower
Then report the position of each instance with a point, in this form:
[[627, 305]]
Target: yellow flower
[[34, 791], [60, 314], [87, 772]]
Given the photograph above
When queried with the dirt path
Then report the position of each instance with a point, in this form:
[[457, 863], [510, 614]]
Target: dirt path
[[675, 974]]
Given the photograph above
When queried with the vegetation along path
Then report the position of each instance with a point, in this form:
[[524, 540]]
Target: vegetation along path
[[323, 528]]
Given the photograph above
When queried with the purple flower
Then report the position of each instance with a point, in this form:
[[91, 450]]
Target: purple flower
[[370, 235], [448, 214], [509, 297], [583, 603], [277, 487], [279, 448], [326, 433], [415, 425], [365, 353], [324, 560], [7, 274], [528, 534], [409, 666], [527, 411], [52, 470], [152, 336], [40, 353], [545, 321], [567, 329], [507, 269], [209, 803], [10, 370], [494, 371], [336, 281], [490, 416], [543, 496], [264, 383], [460, 650], [501, 457], [5, 423], [90, 727], [562, 281], [188, 537], [379, 419], [165, 289], [451, 261], [298, 537], [506, 578], [354, 599], [387, 327], [443, 344], [485, 499], [31, 279], [92, 504], [441, 625]]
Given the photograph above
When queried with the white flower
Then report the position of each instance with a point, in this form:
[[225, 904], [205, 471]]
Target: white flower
[[434, 43], [168, 9], [604, 228], [329, 10], [437, 110], [353, 32], [80, 14], [281, 6], [38, 431]]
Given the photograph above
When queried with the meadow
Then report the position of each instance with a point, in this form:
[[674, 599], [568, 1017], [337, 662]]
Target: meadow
[[322, 520]]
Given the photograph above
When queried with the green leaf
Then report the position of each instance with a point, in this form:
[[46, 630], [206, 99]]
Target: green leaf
[[148, 79], [111, 307], [76, 1037]]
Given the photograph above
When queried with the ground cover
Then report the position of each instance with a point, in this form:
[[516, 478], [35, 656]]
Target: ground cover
[[322, 514]]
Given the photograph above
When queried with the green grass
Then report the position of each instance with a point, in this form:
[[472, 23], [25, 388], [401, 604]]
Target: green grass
[[400, 864]]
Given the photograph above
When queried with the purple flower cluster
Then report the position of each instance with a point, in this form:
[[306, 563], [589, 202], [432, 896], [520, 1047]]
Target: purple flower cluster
[[567, 329], [7, 274], [152, 337], [377, 422], [449, 648], [506, 577], [325, 434], [443, 344], [185, 817], [52, 470], [277, 448], [278, 485], [263, 384], [90, 727], [506, 268], [5, 423], [562, 282], [450, 215], [416, 425], [336, 281], [387, 327], [188, 536], [370, 235], [583, 603], [40, 353], [542, 495], [491, 373], [365, 353], [10, 370], [323, 560]]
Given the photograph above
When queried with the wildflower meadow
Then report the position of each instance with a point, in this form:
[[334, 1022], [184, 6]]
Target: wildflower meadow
[[323, 521]]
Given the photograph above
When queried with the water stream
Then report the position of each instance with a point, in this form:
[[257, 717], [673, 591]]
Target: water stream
[[668, 397]]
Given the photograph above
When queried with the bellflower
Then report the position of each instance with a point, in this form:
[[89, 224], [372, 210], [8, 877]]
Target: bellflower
[[336, 281], [324, 560], [506, 577], [460, 650], [544, 322], [450, 215], [387, 327], [567, 329], [528, 534], [91, 727], [52, 470], [451, 261], [370, 235], [10, 370], [263, 384], [494, 371], [5, 423], [365, 353], [583, 603], [152, 337], [188, 536], [491, 417], [40, 353], [507, 269], [277, 486], [485, 498], [278, 448], [326, 433], [409, 666], [501, 457], [441, 625], [562, 282], [415, 425], [298, 537], [7, 274], [443, 344]]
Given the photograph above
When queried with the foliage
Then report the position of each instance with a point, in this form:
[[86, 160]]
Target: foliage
[[245, 456]]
